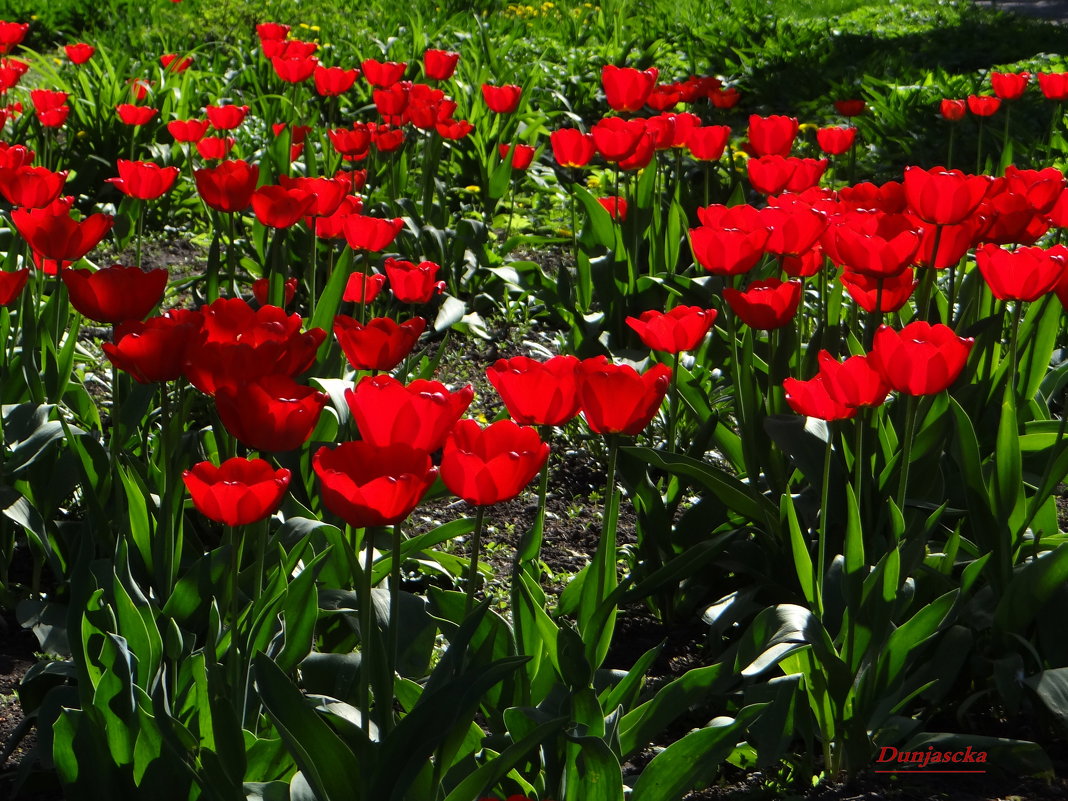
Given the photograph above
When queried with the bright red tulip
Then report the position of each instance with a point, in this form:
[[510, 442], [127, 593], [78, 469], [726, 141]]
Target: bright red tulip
[[79, 53], [439, 65], [383, 74], [921, 359], [135, 115], [294, 70], [492, 464], [521, 155], [1054, 85], [369, 485], [616, 138], [537, 393], [626, 88], [453, 129], [238, 492], [952, 110], [1042, 188], [11, 285], [272, 31], [357, 290], [31, 187], [616, 399], [215, 148], [615, 206], [226, 118], [332, 226], [875, 255], [855, 382], [896, 290], [836, 140], [115, 294], [279, 207], [812, 399], [772, 136], [154, 351], [502, 99], [187, 130], [350, 141], [144, 179], [983, 105], [727, 251], [571, 147], [54, 234], [334, 81], [681, 328], [172, 62], [420, 414], [1022, 274], [765, 305], [228, 187], [47, 99], [943, 197], [1009, 85], [707, 143], [12, 34], [372, 234], [379, 345], [954, 241], [272, 413], [413, 283]]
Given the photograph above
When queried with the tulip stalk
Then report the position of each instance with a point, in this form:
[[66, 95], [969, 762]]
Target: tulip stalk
[[1014, 343], [394, 598], [825, 491], [366, 621], [276, 291], [472, 567], [906, 455]]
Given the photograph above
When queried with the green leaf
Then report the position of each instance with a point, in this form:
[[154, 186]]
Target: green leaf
[[1031, 587], [601, 223], [592, 772]]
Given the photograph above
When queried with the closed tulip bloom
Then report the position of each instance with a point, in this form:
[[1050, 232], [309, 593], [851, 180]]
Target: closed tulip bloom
[[47, 99], [413, 283], [1054, 85], [439, 65], [492, 464], [921, 359], [770, 175], [943, 197], [350, 141], [772, 136], [135, 115], [1009, 85], [571, 147], [214, 148], [381, 344], [1023, 274], [896, 291], [228, 187], [765, 305], [54, 234], [453, 129], [31, 187], [261, 288], [521, 155], [294, 70], [642, 155], [849, 108], [383, 74], [681, 328], [952, 109], [836, 140], [420, 414], [954, 241], [812, 399], [273, 413], [874, 255], [154, 351], [617, 399], [1013, 220], [1042, 188], [616, 138], [172, 62], [12, 34], [115, 294], [334, 81], [326, 192], [359, 290], [226, 118], [272, 31], [626, 88], [537, 393], [615, 206], [707, 143], [79, 53], [793, 229], [372, 234], [187, 130], [854, 382], [237, 492], [144, 180], [11, 285], [983, 105], [279, 207], [728, 251], [53, 118], [386, 138], [502, 99], [370, 485]]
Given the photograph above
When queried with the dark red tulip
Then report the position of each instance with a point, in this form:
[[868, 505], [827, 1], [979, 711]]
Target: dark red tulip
[[725, 98], [952, 110], [849, 108], [983, 105], [383, 74], [492, 464], [571, 147], [115, 294], [369, 485], [54, 234], [537, 393], [279, 207], [31, 187], [772, 136], [372, 234], [11, 285], [144, 180], [855, 382], [921, 359], [1009, 85], [187, 130], [79, 53], [272, 413], [943, 197], [334, 81], [1022, 274], [261, 288], [439, 65], [616, 399], [681, 328], [413, 283], [812, 399], [135, 115], [228, 187], [379, 345], [502, 99], [765, 305], [420, 414], [226, 118], [836, 140], [154, 351], [626, 88], [238, 492], [359, 290]]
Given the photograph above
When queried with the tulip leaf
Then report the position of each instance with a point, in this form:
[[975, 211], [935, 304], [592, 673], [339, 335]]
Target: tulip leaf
[[601, 224], [1032, 586], [592, 772]]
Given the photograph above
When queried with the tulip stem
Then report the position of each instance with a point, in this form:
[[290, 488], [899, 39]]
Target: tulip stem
[[472, 566], [858, 459], [825, 491], [140, 228], [365, 258], [906, 455], [365, 628], [231, 254], [673, 404], [394, 598], [1014, 343]]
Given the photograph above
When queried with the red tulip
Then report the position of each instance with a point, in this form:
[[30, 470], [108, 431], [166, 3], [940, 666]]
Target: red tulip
[[13, 156], [413, 283], [453, 129], [31, 187], [420, 414], [238, 492], [616, 399], [794, 229], [139, 88], [502, 99], [350, 141], [154, 351], [849, 108], [226, 118], [272, 31], [12, 34], [983, 105], [1054, 85], [875, 255], [228, 187], [855, 382], [681, 328], [770, 175], [952, 110], [615, 206], [383, 74], [272, 413], [11, 285], [616, 138], [707, 143], [332, 226], [115, 294], [144, 179], [943, 197], [387, 138], [642, 155], [372, 234], [664, 96], [765, 305], [278, 207], [1009, 85], [47, 99], [836, 140], [288, 49], [53, 118], [921, 359], [215, 148], [187, 130], [381, 344], [1023, 274], [439, 65], [1013, 220], [79, 53], [357, 290], [135, 115], [294, 70], [812, 399], [896, 291], [369, 485], [953, 241], [772, 136], [261, 288], [537, 393], [334, 81], [54, 234], [1042, 188], [727, 251], [521, 155], [625, 88], [492, 464], [571, 147], [173, 63]]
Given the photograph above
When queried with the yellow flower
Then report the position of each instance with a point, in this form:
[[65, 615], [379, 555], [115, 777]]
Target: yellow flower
[[315, 28], [473, 188], [303, 25], [594, 182], [740, 156], [807, 126]]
